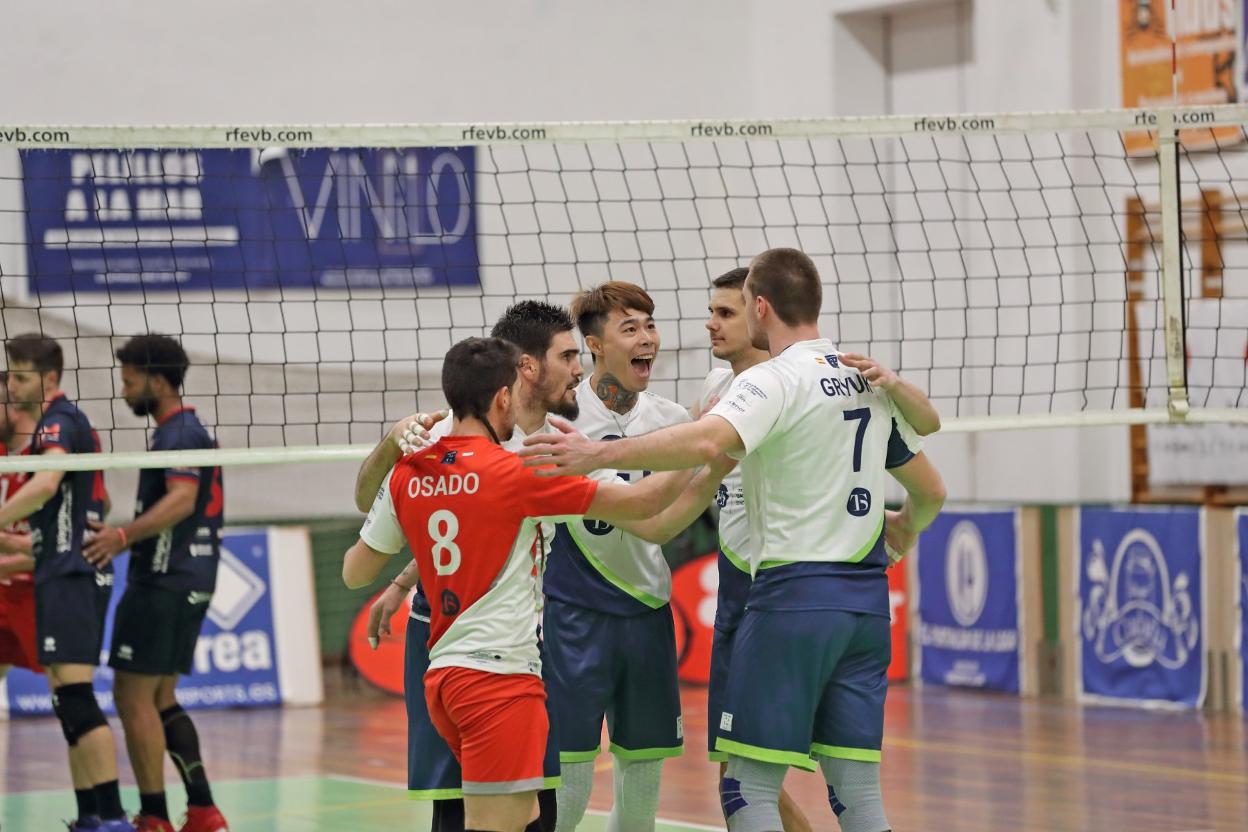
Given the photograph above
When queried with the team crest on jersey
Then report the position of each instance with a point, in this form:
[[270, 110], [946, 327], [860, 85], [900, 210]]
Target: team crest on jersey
[[830, 360], [449, 458], [450, 603]]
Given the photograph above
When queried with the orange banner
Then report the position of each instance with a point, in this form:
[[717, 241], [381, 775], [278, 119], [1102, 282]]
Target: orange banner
[[1205, 45]]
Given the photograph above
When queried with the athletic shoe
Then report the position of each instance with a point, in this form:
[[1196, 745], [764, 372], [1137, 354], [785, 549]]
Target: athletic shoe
[[147, 823], [204, 819], [118, 825]]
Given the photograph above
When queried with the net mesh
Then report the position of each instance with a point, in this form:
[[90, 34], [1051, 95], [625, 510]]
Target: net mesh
[[1007, 272]]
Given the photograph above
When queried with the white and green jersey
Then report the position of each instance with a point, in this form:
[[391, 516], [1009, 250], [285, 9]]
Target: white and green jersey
[[593, 564], [818, 440], [734, 524]]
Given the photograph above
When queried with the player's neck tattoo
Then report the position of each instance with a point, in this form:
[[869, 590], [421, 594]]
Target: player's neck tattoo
[[615, 395]]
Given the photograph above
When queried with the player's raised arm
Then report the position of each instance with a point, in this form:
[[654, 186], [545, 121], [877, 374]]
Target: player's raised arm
[[911, 402], [670, 449], [407, 434], [688, 506]]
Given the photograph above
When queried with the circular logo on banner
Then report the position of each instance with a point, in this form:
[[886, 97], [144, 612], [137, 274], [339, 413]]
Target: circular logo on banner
[[966, 573]]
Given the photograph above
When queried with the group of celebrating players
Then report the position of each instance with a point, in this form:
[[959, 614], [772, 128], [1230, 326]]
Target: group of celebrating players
[[535, 515], [56, 579]]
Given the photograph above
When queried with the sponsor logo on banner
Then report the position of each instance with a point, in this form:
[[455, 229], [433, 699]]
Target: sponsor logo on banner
[[110, 220], [235, 662], [1140, 595], [968, 601]]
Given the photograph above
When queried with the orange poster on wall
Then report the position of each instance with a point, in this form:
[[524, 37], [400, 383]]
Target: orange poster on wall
[[1205, 45]]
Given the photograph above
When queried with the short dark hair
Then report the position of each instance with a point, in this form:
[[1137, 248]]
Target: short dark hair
[[40, 351], [474, 370], [734, 279], [789, 281], [531, 325], [156, 355], [591, 307]]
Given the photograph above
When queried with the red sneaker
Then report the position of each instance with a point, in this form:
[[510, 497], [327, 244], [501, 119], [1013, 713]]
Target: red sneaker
[[204, 819], [147, 823]]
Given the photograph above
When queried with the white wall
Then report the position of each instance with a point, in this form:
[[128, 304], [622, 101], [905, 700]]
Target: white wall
[[228, 61]]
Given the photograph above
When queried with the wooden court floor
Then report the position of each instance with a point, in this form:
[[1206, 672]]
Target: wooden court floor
[[954, 761]]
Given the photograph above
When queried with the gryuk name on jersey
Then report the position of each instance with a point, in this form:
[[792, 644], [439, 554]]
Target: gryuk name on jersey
[[849, 386]]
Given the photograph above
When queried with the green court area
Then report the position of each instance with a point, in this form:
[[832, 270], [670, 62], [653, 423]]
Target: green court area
[[286, 804]]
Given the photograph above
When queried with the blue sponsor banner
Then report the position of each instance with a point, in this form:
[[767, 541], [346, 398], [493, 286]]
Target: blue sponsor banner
[[969, 632], [1140, 582], [219, 219], [235, 658], [1241, 537]]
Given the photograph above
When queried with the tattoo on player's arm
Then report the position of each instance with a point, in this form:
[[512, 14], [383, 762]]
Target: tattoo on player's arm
[[614, 395]]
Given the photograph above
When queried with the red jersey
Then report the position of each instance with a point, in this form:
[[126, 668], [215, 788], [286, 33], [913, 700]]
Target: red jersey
[[10, 481], [469, 510]]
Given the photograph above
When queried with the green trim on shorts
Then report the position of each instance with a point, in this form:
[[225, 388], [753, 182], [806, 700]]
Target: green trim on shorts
[[862, 755], [766, 755], [628, 589], [435, 794], [578, 756], [646, 753], [552, 782], [733, 558], [717, 756], [855, 558]]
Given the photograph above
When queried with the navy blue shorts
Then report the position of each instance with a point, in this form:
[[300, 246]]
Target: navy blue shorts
[[806, 684], [621, 668], [432, 771], [69, 617], [717, 688], [734, 589]]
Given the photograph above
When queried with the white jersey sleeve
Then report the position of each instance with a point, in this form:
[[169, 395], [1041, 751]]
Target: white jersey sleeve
[[381, 530], [754, 406]]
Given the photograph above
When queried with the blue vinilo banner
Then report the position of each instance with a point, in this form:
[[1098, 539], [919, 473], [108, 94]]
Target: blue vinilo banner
[[236, 661], [1140, 584], [185, 219], [968, 606]]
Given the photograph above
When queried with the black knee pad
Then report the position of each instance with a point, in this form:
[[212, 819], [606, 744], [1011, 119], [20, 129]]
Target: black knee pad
[[77, 710], [448, 815]]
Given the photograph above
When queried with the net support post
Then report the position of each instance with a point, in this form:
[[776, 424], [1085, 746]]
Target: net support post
[[1172, 265]]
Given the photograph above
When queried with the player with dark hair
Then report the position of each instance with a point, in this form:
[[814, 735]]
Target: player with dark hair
[[174, 541], [467, 508], [549, 370], [816, 438], [549, 373], [609, 629], [71, 595]]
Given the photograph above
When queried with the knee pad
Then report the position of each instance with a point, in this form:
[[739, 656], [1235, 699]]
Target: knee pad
[[77, 710], [572, 796], [854, 794], [749, 794]]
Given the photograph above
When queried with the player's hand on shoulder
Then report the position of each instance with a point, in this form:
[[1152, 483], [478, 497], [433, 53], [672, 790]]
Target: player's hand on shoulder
[[876, 374], [899, 540], [411, 434]]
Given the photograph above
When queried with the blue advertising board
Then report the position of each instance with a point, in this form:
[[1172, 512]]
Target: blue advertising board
[[186, 219], [236, 662], [1140, 616], [968, 606]]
